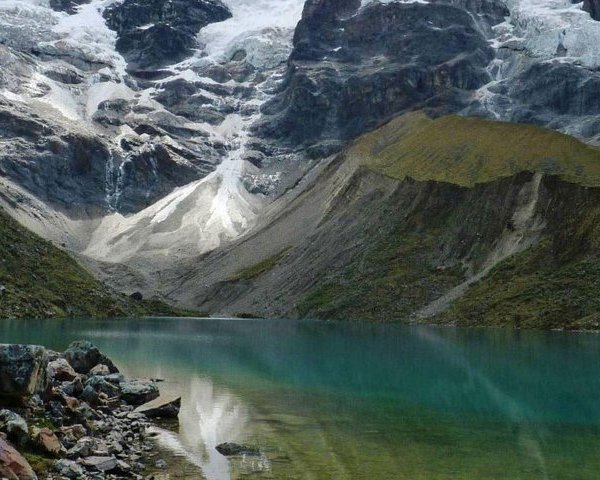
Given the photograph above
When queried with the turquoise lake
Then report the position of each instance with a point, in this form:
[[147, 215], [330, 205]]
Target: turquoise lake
[[326, 400]]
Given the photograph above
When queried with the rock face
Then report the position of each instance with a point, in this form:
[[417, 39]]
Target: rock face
[[22, 371], [592, 6], [83, 356], [12, 464], [155, 33], [353, 68]]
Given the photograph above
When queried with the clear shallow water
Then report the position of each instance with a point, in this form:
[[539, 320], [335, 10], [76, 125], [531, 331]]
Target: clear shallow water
[[359, 401]]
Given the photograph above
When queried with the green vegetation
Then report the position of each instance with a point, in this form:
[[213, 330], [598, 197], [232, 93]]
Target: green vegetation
[[423, 253], [466, 151], [533, 290], [41, 464], [38, 279], [397, 275], [261, 267]]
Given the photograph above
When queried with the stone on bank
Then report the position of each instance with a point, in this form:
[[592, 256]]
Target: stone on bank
[[80, 412]]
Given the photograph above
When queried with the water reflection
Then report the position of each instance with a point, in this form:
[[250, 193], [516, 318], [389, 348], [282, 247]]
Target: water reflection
[[329, 400], [208, 417]]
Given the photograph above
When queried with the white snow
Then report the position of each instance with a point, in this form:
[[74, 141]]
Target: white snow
[[541, 24]]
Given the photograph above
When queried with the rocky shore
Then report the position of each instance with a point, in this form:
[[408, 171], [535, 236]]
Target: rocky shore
[[74, 415]]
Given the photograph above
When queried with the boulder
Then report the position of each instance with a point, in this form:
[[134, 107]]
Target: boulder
[[61, 371], [83, 356], [83, 448], [22, 371], [14, 426], [138, 392], [12, 464], [69, 469], [232, 449], [104, 464], [167, 410], [74, 388], [99, 384], [47, 441]]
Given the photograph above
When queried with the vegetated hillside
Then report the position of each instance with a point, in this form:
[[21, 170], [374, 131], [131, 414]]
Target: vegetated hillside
[[457, 221], [466, 151], [38, 279]]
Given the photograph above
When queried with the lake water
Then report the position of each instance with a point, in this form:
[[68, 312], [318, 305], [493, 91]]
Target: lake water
[[360, 401]]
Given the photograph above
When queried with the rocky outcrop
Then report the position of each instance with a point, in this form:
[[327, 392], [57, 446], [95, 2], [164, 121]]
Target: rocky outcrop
[[69, 6], [353, 68], [155, 33], [22, 371]]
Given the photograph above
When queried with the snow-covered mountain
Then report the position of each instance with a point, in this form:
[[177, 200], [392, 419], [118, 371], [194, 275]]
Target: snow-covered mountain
[[143, 132]]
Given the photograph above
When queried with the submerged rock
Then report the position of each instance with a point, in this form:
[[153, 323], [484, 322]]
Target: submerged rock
[[12, 464], [168, 410], [22, 371], [232, 449]]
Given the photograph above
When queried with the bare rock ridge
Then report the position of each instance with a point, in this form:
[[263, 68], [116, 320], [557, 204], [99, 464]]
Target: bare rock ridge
[[154, 34], [353, 68]]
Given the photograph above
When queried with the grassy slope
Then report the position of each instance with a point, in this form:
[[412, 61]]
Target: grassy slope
[[43, 281], [466, 151], [539, 288]]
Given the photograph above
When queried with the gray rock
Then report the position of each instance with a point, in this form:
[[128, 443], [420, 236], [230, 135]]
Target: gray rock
[[90, 395], [14, 426], [593, 7], [99, 384], [138, 392], [168, 410], [69, 468], [234, 449], [83, 356], [22, 371], [83, 448], [104, 464]]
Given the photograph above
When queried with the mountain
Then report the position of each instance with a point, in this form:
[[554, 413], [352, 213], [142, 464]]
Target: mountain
[[429, 220], [372, 159]]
